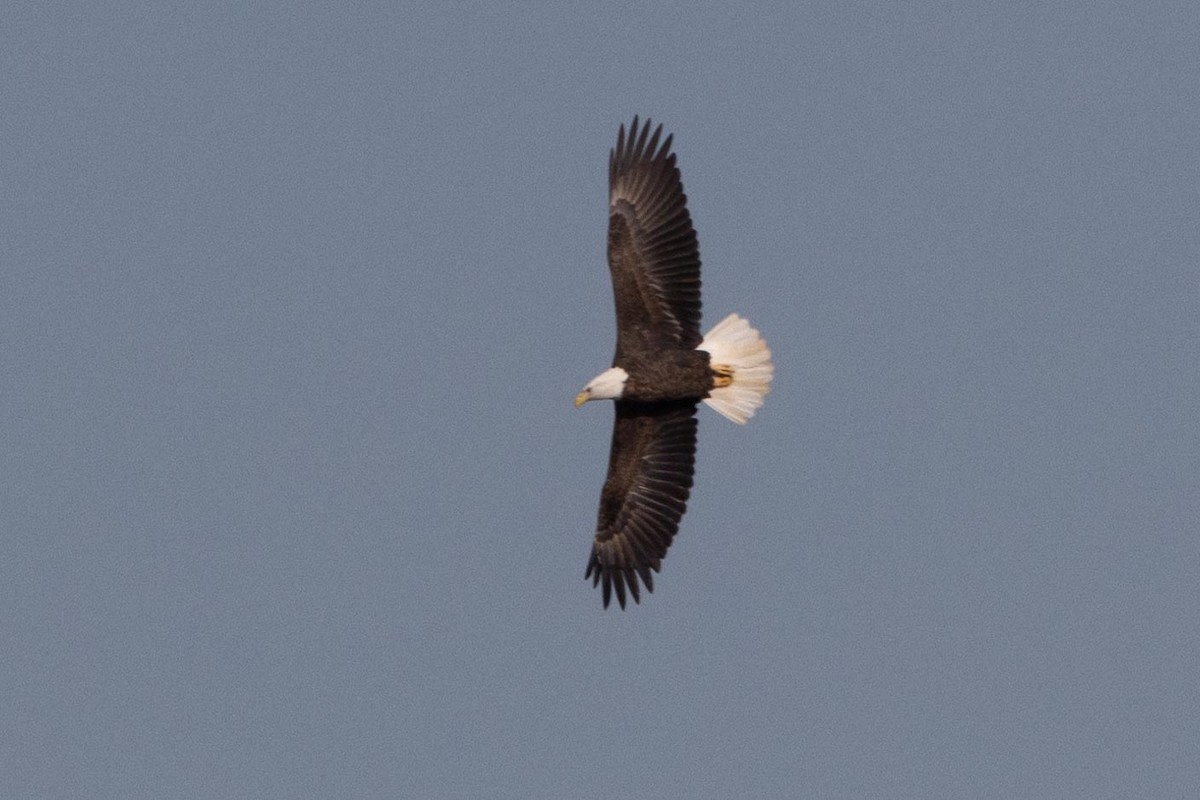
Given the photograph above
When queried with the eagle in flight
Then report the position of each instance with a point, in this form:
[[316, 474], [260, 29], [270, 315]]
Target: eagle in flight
[[663, 367]]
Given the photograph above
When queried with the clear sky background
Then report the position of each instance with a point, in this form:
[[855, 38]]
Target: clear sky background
[[294, 502]]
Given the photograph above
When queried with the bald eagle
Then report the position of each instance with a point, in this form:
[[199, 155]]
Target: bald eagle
[[663, 367]]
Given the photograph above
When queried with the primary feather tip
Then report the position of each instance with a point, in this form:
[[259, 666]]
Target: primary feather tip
[[738, 351]]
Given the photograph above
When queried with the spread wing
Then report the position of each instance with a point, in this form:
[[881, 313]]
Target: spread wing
[[649, 477], [652, 250]]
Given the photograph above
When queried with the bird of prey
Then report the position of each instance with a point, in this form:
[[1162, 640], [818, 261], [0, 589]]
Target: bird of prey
[[663, 367]]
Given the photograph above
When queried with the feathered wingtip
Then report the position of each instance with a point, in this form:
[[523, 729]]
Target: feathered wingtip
[[614, 579], [737, 350]]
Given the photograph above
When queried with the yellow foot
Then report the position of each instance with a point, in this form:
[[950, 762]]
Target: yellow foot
[[722, 376]]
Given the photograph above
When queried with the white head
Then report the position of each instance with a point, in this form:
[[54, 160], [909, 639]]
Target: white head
[[608, 385]]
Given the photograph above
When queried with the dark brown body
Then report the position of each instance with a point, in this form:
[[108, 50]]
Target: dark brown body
[[670, 375]]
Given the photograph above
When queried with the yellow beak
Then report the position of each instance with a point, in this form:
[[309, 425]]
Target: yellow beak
[[582, 398]]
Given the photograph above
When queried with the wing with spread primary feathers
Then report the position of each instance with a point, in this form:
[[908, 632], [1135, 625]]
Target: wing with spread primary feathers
[[644, 496], [653, 254]]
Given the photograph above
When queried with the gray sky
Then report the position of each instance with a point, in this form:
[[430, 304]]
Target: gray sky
[[294, 302]]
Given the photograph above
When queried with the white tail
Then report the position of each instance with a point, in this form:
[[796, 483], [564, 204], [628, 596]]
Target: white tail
[[736, 349]]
